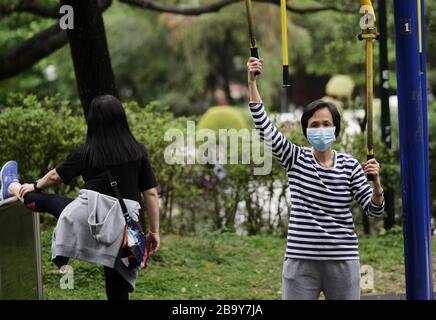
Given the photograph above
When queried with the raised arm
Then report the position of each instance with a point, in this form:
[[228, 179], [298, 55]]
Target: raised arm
[[282, 149]]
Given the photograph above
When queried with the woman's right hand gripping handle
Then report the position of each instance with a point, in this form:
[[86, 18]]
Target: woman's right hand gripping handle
[[254, 65]]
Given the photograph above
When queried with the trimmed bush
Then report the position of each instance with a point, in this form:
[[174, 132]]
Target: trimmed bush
[[222, 117]]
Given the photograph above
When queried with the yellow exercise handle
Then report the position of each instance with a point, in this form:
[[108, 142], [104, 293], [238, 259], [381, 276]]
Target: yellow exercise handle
[[367, 4], [284, 33], [369, 34]]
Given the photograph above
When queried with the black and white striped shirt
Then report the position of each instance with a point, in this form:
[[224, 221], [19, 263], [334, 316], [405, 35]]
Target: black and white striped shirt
[[320, 224]]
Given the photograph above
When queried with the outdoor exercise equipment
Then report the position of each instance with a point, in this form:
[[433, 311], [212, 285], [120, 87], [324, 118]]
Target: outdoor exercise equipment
[[412, 117], [369, 35], [20, 252], [284, 44], [286, 84], [253, 47]]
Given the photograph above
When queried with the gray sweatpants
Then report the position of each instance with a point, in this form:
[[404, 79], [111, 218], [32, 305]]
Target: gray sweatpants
[[305, 279]]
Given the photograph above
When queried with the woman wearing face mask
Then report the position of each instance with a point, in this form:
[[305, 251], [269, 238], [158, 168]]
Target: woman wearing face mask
[[322, 247]]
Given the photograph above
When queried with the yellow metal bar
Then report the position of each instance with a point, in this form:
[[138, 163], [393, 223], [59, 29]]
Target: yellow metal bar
[[284, 33], [370, 9], [369, 35], [250, 24], [369, 94], [419, 25]]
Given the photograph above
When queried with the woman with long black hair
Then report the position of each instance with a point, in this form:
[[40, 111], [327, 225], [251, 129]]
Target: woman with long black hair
[[109, 146]]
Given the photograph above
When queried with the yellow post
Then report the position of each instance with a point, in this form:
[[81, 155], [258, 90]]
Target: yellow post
[[284, 33], [418, 3], [369, 34], [253, 49], [284, 45], [369, 95]]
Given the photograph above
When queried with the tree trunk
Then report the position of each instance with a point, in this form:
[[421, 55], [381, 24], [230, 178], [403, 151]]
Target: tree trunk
[[30, 51], [170, 212], [389, 221], [225, 59], [305, 87], [231, 212], [89, 51]]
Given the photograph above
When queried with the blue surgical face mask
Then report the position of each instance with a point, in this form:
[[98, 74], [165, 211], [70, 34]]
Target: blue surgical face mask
[[321, 138]]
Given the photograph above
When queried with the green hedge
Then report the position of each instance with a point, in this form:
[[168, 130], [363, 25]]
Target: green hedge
[[39, 134]]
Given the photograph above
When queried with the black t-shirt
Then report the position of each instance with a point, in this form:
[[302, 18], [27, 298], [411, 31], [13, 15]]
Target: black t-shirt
[[132, 177]]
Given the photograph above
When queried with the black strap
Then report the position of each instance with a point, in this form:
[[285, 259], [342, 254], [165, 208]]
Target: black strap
[[114, 186]]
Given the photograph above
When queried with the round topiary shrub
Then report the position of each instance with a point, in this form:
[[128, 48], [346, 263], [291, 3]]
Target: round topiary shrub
[[222, 117]]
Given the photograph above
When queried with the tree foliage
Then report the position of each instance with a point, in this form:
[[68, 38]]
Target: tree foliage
[[182, 60]]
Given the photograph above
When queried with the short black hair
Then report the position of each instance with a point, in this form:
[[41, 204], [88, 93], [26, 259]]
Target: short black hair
[[316, 105]]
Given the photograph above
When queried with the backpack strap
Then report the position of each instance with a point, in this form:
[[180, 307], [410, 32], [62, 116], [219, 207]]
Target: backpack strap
[[114, 186]]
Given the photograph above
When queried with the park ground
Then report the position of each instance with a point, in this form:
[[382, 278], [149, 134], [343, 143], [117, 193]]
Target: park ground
[[222, 266]]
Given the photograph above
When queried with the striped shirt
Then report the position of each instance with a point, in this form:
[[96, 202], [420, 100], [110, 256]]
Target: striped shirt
[[320, 223]]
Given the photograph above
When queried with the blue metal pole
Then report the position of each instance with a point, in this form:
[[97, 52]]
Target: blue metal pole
[[425, 114], [412, 116]]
